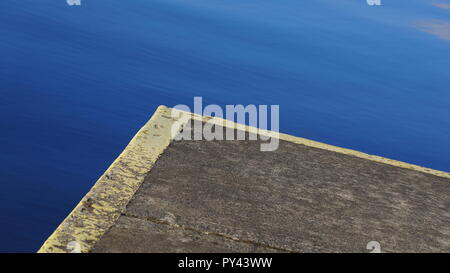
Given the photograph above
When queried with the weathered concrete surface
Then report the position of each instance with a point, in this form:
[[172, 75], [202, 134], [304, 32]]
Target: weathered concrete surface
[[221, 196], [228, 196], [133, 235]]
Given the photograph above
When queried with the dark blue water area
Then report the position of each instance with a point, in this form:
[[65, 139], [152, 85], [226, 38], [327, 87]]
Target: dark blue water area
[[77, 82]]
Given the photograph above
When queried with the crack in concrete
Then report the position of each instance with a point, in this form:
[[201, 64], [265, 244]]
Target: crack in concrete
[[167, 223]]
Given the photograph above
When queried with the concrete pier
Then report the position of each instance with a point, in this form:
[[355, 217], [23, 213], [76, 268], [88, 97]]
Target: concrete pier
[[163, 195]]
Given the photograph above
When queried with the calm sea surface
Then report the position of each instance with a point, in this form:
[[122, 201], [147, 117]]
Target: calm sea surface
[[76, 84]]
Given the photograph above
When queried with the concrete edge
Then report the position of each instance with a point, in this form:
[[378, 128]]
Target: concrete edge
[[320, 145], [107, 199]]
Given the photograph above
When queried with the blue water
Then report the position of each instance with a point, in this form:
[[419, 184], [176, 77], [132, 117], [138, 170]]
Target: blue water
[[77, 83]]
